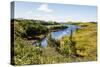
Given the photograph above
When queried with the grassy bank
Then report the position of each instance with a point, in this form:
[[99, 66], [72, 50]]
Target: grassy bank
[[85, 42], [86, 39]]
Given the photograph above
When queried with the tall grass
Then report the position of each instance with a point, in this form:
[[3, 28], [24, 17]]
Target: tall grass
[[85, 42]]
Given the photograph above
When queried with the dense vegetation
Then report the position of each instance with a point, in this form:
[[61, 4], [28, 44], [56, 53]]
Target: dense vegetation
[[71, 48]]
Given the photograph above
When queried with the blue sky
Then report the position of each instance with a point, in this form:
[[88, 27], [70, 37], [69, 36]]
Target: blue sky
[[55, 12]]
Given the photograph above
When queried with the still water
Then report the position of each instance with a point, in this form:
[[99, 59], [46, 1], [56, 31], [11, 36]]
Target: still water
[[59, 34]]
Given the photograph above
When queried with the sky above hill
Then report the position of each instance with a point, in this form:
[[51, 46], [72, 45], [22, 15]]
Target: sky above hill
[[55, 12]]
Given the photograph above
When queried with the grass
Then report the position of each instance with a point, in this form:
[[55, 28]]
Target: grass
[[86, 42], [27, 54], [86, 39], [24, 52], [82, 46]]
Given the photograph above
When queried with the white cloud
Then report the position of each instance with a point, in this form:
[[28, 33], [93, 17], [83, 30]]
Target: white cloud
[[44, 8]]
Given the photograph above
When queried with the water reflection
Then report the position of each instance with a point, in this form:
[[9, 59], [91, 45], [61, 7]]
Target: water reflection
[[44, 42]]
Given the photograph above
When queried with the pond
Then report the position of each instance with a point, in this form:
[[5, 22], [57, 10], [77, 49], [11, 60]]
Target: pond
[[59, 34]]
